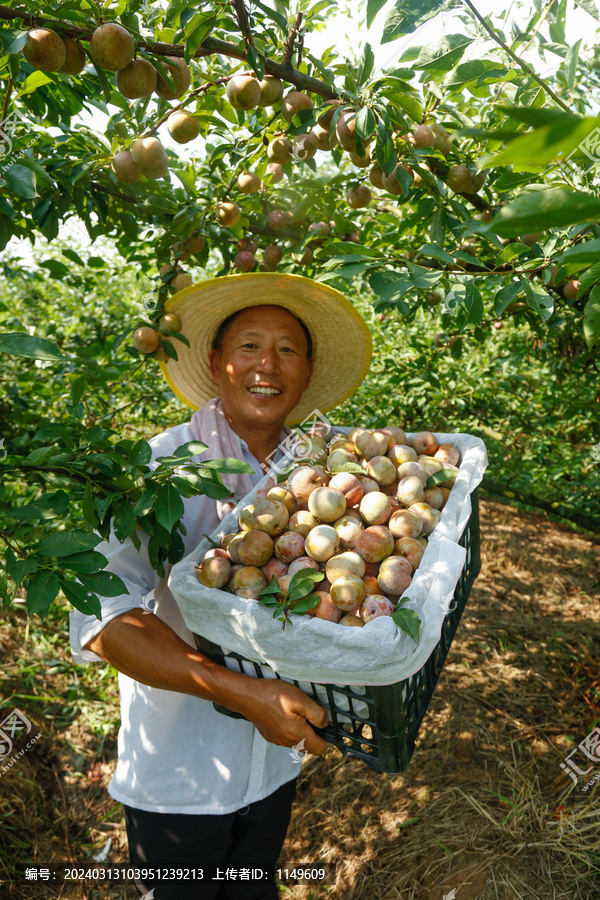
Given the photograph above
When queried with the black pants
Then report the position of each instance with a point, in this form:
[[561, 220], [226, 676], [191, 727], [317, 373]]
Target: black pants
[[251, 838]]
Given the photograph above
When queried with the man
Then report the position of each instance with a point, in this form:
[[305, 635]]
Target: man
[[199, 788]]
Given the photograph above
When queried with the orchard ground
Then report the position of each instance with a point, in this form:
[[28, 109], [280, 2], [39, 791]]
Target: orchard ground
[[483, 808]]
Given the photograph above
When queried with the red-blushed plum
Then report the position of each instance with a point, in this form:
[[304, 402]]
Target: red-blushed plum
[[226, 539], [422, 540], [302, 521], [401, 453], [425, 442], [255, 549], [375, 605], [215, 551], [233, 545], [431, 517], [371, 443], [396, 435], [395, 575], [375, 543], [340, 457], [354, 432], [410, 549], [406, 523], [375, 508], [274, 568], [390, 489], [283, 496], [322, 543], [248, 582], [214, 572], [396, 505], [347, 592], [348, 529], [372, 568], [430, 464], [271, 517], [415, 469], [434, 497], [327, 504], [350, 619], [410, 490], [368, 483], [371, 585], [289, 546], [283, 582], [447, 454], [326, 609], [348, 563], [342, 443], [247, 520], [350, 487], [445, 494], [381, 469], [303, 562], [306, 479]]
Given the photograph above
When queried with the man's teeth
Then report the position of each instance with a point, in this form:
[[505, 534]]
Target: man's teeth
[[264, 390]]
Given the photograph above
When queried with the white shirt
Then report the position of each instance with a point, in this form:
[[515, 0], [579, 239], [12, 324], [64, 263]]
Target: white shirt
[[177, 754]]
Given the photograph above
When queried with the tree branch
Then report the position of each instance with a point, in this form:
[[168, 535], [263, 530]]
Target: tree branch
[[517, 59], [210, 46], [289, 47], [242, 17]]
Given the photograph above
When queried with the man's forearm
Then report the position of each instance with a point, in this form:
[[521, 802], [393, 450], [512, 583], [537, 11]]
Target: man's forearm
[[144, 648]]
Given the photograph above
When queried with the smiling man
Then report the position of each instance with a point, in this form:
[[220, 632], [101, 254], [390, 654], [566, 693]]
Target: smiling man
[[201, 789]]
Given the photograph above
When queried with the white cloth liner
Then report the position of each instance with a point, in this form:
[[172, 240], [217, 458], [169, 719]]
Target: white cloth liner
[[317, 651]]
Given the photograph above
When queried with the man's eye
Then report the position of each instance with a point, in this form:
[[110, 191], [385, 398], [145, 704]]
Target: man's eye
[[252, 346]]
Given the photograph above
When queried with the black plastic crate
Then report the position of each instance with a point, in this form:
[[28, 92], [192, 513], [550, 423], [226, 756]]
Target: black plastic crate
[[383, 737]]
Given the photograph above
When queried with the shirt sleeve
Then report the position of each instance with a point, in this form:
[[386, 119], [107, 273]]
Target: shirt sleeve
[[131, 565]]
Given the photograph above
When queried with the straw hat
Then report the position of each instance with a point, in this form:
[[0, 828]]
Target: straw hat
[[341, 338]]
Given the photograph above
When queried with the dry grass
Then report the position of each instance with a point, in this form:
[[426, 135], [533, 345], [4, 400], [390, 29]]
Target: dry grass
[[483, 808]]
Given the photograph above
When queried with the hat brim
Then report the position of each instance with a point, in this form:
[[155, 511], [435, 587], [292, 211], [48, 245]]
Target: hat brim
[[341, 339]]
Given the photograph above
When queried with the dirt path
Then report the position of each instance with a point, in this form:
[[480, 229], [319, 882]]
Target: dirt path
[[484, 808]]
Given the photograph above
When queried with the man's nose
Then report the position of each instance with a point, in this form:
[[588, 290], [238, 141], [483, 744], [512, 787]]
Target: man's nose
[[268, 361]]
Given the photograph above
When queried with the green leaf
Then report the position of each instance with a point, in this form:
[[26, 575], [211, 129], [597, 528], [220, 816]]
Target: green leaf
[[354, 468], [33, 82], [256, 61], [140, 454], [21, 568], [440, 477], [21, 180], [146, 501], [64, 543], [41, 592], [408, 621], [228, 466], [105, 584], [587, 252], [406, 16], [365, 67], [547, 208], [81, 598], [506, 295], [589, 278], [78, 386], [373, 7], [591, 318], [539, 300], [442, 56], [169, 506], [87, 562], [87, 506], [570, 63], [365, 122], [305, 603], [18, 344], [590, 7], [544, 145]]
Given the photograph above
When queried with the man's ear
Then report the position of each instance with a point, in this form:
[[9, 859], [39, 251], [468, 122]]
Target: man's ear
[[215, 365]]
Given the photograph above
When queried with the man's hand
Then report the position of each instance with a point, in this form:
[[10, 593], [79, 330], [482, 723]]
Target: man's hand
[[282, 712]]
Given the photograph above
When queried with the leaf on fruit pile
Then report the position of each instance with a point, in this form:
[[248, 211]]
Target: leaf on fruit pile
[[440, 477], [408, 620], [347, 467]]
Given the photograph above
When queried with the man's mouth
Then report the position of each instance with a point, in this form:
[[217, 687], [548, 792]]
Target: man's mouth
[[265, 391]]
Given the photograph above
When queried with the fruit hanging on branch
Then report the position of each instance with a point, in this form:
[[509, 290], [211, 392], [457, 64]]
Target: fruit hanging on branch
[[125, 167], [183, 126], [274, 172], [244, 261], [150, 154], [358, 196], [111, 47], [228, 214], [243, 92], [293, 103], [280, 150], [138, 79], [181, 75], [45, 50], [271, 90], [75, 58], [248, 182], [146, 339]]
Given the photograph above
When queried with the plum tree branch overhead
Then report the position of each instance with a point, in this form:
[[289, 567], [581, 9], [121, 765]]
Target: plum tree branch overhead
[[209, 46], [242, 17], [546, 87]]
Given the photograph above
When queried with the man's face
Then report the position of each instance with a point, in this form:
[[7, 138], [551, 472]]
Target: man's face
[[262, 369]]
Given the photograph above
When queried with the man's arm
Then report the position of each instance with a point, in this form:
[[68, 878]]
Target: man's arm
[[147, 650]]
